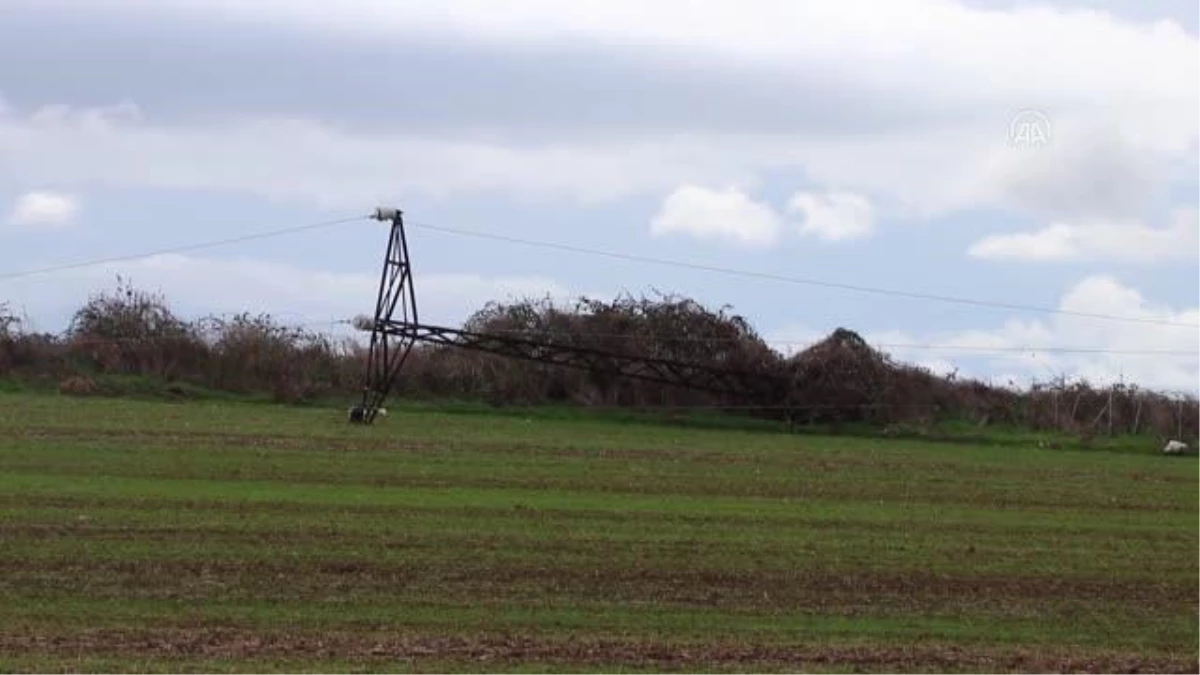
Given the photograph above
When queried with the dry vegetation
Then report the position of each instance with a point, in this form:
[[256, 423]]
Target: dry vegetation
[[128, 331], [838, 381]]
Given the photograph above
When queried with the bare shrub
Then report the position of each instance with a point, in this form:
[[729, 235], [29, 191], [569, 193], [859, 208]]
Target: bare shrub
[[258, 353], [840, 379], [10, 332], [131, 331], [78, 385], [10, 323], [667, 327], [25, 351]]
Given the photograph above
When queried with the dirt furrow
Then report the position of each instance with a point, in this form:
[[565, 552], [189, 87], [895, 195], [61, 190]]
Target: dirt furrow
[[704, 587], [494, 652]]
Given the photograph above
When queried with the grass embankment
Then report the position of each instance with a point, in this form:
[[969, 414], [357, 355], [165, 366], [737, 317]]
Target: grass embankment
[[143, 535]]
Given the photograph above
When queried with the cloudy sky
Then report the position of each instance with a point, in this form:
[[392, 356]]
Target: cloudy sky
[[1024, 153]]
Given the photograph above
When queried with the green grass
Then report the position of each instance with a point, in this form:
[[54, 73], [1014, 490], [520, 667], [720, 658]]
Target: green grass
[[223, 536]]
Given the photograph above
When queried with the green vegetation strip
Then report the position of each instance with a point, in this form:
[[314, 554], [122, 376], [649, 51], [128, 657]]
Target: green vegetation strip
[[195, 536]]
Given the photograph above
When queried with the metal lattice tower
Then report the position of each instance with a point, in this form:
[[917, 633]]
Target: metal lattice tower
[[389, 348]]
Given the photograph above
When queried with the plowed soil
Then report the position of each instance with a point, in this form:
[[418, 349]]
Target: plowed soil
[[500, 652]]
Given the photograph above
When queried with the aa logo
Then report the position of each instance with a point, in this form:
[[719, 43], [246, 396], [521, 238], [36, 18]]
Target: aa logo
[[1029, 129]]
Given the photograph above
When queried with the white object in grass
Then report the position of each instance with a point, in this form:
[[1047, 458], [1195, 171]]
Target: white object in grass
[[1174, 448]]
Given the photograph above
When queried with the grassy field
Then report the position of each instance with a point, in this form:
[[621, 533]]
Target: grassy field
[[218, 536]]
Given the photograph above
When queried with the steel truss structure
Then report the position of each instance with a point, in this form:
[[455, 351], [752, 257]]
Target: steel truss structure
[[396, 328]]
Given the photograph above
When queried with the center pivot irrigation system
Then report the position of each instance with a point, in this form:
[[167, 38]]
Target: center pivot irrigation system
[[397, 328]]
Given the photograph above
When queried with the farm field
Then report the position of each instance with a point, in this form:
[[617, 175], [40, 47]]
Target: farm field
[[154, 536]]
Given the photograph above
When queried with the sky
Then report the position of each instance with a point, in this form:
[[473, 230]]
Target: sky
[[1040, 154]]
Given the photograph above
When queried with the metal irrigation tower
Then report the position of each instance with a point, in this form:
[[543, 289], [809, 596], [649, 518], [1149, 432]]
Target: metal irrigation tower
[[389, 347], [396, 328]]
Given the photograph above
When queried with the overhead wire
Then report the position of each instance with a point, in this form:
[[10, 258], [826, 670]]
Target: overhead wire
[[552, 334], [683, 264], [178, 249], [700, 340]]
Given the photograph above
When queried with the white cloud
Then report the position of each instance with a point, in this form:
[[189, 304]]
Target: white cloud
[[1122, 98], [298, 159], [1030, 56], [196, 286], [725, 215], [1098, 166], [834, 216], [1036, 48], [43, 209], [945, 170], [1097, 241], [1001, 352]]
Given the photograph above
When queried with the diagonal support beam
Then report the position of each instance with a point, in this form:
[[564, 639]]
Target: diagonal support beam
[[663, 371]]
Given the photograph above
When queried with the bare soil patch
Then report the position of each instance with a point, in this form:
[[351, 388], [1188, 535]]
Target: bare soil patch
[[837, 592], [495, 652]]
